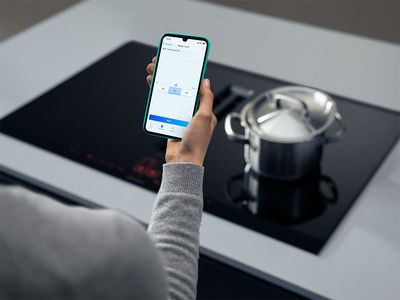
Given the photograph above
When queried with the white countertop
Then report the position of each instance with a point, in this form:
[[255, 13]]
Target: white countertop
[[362, 258]]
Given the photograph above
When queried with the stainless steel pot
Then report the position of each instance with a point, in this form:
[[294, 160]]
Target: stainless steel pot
[[285, 130]]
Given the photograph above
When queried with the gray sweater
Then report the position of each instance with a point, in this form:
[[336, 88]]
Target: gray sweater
[[52, 251]]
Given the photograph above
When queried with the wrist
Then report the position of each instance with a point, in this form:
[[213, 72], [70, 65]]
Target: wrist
[[185, 159]]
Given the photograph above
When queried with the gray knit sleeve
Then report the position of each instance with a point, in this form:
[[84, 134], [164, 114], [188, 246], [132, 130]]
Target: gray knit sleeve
[[174, 226]]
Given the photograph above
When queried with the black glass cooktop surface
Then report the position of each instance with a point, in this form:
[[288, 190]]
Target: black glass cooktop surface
[[95, 118]]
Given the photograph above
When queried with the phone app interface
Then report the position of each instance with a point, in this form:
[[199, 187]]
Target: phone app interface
[[175, 85]]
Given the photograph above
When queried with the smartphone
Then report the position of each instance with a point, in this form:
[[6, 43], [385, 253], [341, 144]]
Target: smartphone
[[174, 91]]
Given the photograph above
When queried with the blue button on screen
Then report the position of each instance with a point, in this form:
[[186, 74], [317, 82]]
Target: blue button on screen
[[174, 90], [168, 120]]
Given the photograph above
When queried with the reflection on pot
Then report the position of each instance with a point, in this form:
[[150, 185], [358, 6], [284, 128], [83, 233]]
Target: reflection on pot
[[282, 201]]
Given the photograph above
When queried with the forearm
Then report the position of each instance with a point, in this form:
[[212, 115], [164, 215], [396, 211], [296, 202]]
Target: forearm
[[174, 226]]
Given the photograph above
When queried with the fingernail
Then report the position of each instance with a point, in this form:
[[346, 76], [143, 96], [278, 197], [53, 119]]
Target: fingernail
[[207, 82]]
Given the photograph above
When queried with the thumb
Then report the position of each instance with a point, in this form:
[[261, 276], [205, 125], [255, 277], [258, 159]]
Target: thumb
[[207, 97]]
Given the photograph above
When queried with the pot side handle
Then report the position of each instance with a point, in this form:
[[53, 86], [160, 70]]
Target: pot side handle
[[339, 132], [232, 135]]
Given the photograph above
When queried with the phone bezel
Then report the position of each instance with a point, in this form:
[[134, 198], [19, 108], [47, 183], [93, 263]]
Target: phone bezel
[[204, 65]]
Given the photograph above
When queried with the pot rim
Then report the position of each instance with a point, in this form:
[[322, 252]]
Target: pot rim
[[267, 94]]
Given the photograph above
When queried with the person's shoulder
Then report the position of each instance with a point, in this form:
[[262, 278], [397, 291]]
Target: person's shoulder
[[97, 252], [127, 259]]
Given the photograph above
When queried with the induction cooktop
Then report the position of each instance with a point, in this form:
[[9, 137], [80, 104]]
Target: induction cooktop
[[95, 118]]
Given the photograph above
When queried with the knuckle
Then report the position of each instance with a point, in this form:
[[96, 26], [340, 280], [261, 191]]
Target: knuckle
[[209, 94], [204, 116], [214, 120]]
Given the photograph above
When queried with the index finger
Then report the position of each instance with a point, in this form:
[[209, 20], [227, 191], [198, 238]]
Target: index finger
[[153, 59]]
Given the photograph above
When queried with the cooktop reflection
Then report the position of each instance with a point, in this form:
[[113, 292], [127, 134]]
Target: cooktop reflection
[[95, 118]]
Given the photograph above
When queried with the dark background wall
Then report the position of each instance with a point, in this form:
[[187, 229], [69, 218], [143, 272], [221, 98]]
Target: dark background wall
[[379, 19]]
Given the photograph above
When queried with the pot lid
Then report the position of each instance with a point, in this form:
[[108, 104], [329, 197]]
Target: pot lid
[[291, 113]]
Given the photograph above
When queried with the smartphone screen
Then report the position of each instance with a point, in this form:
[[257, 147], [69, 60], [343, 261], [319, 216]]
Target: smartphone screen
[[176, 82]]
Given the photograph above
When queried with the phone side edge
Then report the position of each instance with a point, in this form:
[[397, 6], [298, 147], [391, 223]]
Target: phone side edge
[[204, 70], [151, 86]]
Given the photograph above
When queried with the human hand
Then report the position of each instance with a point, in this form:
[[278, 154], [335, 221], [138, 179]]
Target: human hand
[[194, 144]]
